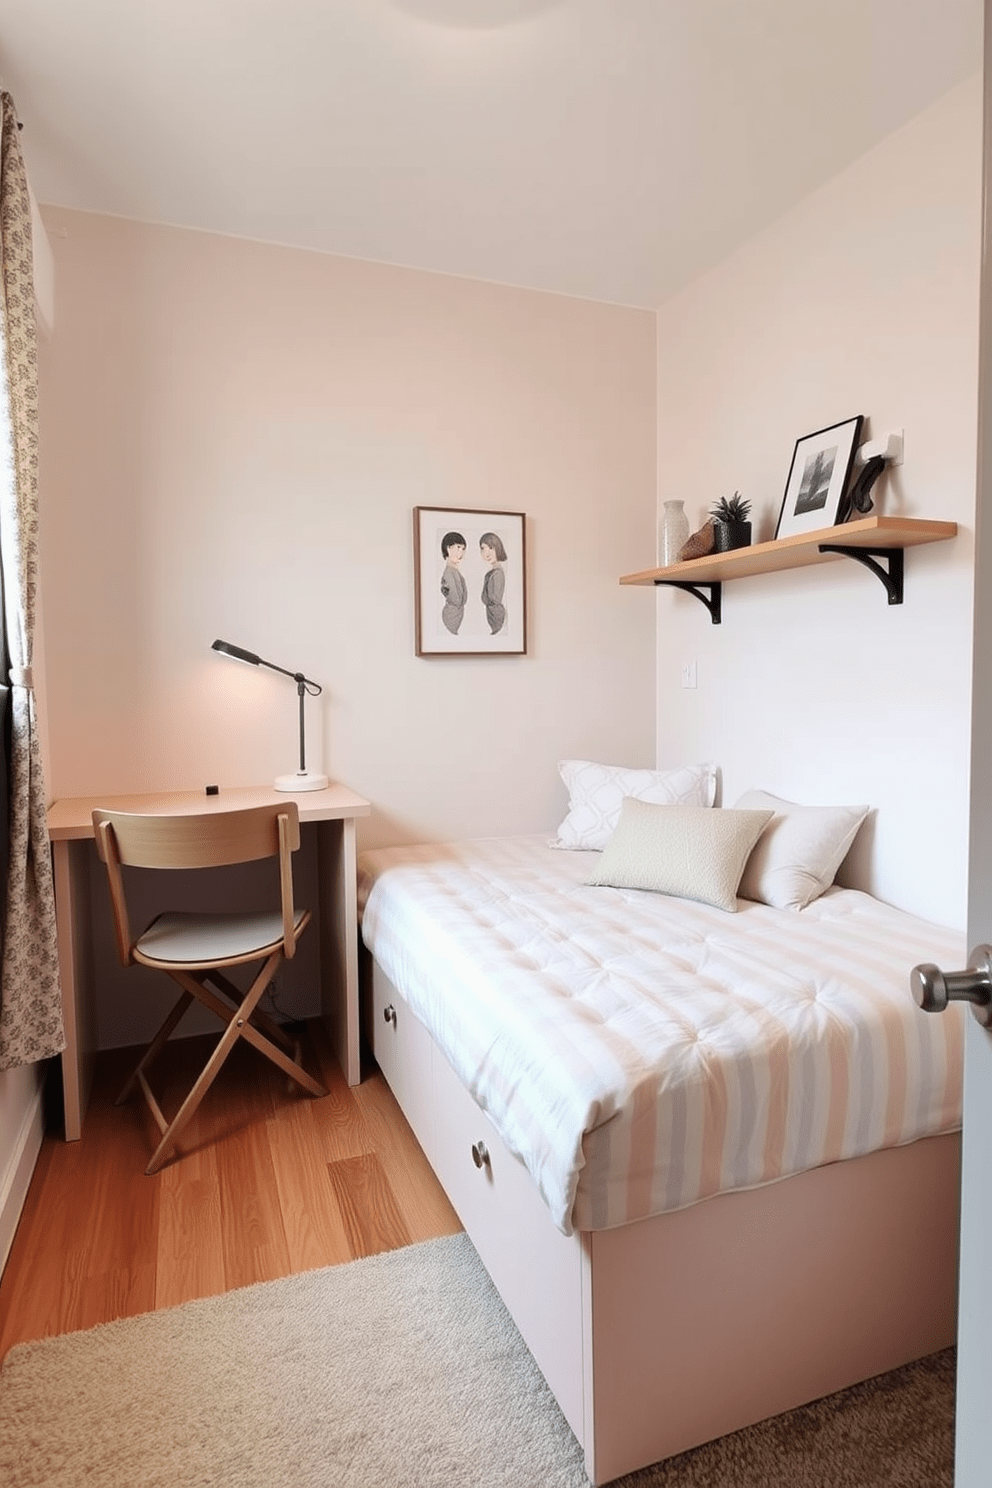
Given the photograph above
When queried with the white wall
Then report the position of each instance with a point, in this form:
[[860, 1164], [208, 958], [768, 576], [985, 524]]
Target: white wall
[[864, 299]]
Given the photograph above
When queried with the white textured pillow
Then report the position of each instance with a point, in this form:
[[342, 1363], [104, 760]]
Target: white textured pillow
[[596, 793], [692, 852], [799, 852]]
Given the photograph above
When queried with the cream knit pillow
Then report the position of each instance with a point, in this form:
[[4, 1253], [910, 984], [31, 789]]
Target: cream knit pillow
[[691, 852]]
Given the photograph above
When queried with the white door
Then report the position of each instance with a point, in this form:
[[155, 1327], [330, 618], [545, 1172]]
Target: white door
[[973, 1464], [973, 1450]]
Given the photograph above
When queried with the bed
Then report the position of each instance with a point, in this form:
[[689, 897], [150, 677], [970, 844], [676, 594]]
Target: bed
[[706, 1157]]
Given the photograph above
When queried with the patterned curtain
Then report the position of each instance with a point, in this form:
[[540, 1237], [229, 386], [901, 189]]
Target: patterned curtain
[[30, 996]]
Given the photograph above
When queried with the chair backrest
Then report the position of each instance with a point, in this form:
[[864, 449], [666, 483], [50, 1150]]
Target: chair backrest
[[212, 839]]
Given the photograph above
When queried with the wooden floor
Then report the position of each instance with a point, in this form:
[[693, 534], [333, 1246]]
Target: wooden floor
[[270, 1182]]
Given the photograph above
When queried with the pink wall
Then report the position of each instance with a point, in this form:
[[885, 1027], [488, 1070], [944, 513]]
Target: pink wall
[[234, 438]]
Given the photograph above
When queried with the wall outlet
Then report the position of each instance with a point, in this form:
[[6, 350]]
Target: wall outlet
[[890, 447], [688, 674]]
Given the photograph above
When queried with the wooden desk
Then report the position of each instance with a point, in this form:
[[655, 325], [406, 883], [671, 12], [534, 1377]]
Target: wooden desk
[[70, 827]]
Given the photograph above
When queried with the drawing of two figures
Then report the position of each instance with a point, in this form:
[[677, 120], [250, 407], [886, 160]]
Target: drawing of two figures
[[455, 589]]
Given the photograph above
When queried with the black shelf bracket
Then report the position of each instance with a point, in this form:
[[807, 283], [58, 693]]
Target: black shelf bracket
[[713, 601], [891, 577]]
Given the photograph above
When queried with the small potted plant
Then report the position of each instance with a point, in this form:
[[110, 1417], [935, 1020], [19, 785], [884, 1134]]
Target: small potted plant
[[731, 528]]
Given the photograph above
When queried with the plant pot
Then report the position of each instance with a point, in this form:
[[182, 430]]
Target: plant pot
[[728, 535]]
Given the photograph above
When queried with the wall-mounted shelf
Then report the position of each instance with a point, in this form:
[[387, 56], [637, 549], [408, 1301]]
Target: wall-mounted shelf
[[876, 542]]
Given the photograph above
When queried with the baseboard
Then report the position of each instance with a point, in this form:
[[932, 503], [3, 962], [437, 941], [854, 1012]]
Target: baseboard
[[15, 1179]]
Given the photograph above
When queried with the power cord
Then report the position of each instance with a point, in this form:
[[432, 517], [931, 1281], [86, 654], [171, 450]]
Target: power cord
[[858, 498]]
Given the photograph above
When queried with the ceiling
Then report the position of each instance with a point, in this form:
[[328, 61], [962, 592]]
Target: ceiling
[[611, 149]]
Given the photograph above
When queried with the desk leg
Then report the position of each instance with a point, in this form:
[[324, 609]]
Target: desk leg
[[75, 972], [337, 866]]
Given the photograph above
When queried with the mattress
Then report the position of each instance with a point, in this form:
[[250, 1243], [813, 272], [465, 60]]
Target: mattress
[[639, 1053]]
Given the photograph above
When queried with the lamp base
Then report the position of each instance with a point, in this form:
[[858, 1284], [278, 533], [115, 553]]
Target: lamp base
[[301, 780]]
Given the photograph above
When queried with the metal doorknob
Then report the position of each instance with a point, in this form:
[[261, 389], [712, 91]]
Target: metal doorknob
[[933, 989], [480, 1155], [389, 1013]]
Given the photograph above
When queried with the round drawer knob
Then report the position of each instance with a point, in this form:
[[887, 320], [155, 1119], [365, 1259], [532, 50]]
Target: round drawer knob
[[480, 1154], [389, 1014]]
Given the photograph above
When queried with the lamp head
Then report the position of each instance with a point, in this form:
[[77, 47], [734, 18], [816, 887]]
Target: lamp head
[[238, 652]]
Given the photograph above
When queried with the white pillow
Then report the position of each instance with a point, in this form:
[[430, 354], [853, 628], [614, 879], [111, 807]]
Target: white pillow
[[799, 852], [595, 794], [692, 852]]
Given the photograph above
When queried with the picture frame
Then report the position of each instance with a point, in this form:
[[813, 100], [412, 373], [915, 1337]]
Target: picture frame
[[471, 602], [818, 477]]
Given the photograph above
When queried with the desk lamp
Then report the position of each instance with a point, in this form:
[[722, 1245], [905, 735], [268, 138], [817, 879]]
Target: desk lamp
[[303, 779]]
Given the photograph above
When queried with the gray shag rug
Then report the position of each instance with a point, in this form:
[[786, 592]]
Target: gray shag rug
[[400, 1371]]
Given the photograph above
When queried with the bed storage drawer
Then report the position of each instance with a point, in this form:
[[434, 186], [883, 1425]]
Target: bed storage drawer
[[403, 1051], [536, 1269]]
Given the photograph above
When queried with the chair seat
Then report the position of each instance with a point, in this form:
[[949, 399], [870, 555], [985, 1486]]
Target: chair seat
[[188, 938]]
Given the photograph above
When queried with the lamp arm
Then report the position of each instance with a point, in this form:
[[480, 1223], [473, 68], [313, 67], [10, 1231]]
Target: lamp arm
[[240, 654], [273, 668], [313, 688]]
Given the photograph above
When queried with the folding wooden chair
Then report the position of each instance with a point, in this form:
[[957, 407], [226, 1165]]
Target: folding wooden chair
[[193, 947]]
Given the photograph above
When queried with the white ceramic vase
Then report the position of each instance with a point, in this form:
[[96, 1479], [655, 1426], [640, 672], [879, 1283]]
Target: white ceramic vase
[[673, 533]]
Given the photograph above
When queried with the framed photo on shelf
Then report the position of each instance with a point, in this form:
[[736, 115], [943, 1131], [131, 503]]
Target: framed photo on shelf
[[818, 476], [470, 589]]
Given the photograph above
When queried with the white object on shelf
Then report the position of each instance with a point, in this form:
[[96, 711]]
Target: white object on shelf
[[673, 533], [890, 447]]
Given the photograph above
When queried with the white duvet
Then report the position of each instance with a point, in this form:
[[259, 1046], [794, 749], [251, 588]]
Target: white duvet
[[638, 1052]]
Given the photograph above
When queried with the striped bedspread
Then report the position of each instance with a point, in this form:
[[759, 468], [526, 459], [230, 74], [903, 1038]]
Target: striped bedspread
[[639, 1053]]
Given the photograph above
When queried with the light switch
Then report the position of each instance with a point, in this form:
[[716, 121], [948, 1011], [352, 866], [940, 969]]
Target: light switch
[[688, 674]]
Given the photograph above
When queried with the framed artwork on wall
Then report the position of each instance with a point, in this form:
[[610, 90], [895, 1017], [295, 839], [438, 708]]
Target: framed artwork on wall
[[469, 573], [818, 476]]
